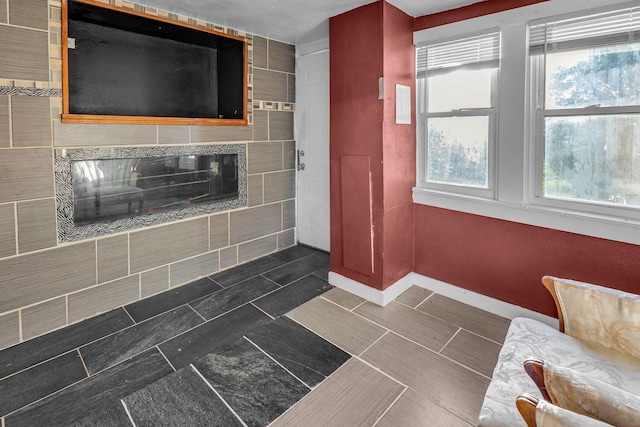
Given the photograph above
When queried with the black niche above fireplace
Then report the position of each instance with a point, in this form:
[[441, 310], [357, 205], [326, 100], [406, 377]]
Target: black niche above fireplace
[[108, 190]]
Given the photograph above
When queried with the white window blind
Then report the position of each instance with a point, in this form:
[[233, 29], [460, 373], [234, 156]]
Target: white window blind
[[600, 29], [473, 52]]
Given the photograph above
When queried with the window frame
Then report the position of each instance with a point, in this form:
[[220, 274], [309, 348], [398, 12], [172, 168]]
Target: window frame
[[422, 96], [515, 152]]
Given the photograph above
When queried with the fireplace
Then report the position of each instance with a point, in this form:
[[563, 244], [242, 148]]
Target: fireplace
[[108, 190]]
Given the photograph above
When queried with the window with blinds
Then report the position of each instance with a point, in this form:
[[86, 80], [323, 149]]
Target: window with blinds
[[458, 84], [586, 89]]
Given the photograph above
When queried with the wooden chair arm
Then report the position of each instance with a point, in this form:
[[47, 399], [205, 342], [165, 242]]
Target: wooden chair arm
[[548, 282], [526, 404]]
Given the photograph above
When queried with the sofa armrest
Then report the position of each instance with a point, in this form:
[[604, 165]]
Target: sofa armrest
[[597, 314]]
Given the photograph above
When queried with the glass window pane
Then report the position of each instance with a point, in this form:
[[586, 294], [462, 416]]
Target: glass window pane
[[457, 150], [460, 89], [593, 158], [608, 76]]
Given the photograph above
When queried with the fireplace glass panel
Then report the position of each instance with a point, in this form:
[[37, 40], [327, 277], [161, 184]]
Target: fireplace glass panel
[[110, 189]]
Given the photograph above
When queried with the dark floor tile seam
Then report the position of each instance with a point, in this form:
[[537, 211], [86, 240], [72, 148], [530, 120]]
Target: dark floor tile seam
[[261, 310], [196, 311], [272, 281], [235, 414], [126, 410], [246, 262], [40, 363], [157, 346], [280, 364], [129, 314]]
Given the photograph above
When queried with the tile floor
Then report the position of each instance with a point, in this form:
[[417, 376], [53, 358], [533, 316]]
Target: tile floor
[[265, 343]]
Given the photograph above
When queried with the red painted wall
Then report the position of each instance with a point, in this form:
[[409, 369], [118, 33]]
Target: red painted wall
[[467, 12], [355, 63], [506, 260], [366, 43]]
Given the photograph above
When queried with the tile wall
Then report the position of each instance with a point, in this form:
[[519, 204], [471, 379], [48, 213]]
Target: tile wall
[[45, 285]]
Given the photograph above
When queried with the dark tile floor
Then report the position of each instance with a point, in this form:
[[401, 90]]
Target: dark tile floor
[[213, 352]]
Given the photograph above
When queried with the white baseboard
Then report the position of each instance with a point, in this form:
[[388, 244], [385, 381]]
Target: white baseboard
[[483, 302], [376, 296], [492, 305]]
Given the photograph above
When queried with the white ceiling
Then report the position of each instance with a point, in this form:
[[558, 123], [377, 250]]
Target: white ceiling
[[290, 21]]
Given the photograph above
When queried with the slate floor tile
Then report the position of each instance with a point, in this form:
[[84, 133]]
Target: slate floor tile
[[302, 352], [293, 253], [289, 297], [103, 389], [138, 338], [256, 387], [180, 399], [232, 297], [323, 273], [21, 356], [295, 270], [40, 381], [168, 300], [245, 271], [109, 416], [185, 348]]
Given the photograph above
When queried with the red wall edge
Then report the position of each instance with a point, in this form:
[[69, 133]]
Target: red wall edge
[[506, 260], [467, 12]]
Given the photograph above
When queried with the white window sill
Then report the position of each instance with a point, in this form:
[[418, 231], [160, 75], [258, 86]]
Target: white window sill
[[605, 227]]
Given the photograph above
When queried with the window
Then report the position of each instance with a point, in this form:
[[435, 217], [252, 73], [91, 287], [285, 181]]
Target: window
[[457, 81], [586, 82]]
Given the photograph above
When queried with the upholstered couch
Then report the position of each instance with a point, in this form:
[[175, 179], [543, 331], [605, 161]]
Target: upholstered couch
[[599, 337]]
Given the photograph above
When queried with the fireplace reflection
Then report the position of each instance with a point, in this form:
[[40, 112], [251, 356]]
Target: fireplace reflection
[[122, 188]]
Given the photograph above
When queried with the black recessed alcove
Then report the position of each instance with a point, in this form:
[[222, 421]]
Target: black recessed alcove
[[125, 64]]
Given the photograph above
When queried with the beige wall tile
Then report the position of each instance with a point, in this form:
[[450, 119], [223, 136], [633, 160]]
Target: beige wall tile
[[221, 133], [36, 225], [269, 85], [31, 121], [3, 11], [9, 330], [5, 119], [356, 395], [289, 154], [26, 174], [113, 258], [42, 318], [280, 125], [264, 157], [282, 56], [279, 186], [256, 248], [7, 230], [191, 269], [29, 13], [254, 190], [32, 278], [260, 125], [286, 239], [74, 134], [169, 243], [291, 88], [251, 223], [259, 52], [24, 53], [173, 134], [228, 257], [350, 332], [103, 298], [288, 214], [154, 281], [219, 231]]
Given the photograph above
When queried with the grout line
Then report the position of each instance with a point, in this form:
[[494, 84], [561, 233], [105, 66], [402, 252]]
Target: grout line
[[83, 362], [196, 312], [261, 310], [390, 406], [126, 409], [95, 244], [217, 394], [280, 364], [374, 343], [20, 337], [450, 339], [132, 319], [165, 358], [15, 228], [482, 336]]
